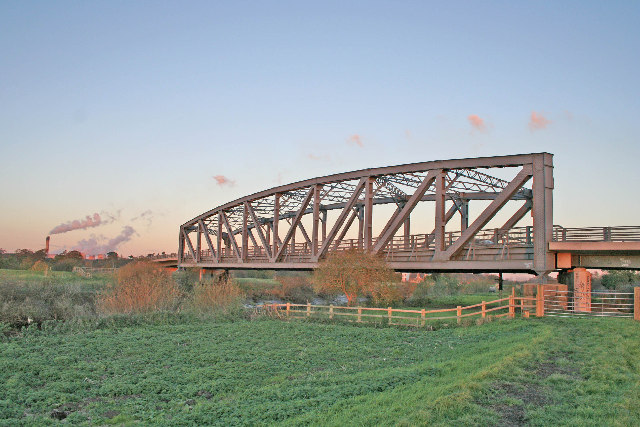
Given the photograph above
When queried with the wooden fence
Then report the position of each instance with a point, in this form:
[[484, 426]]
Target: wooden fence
[[504, 307], [394, 316]]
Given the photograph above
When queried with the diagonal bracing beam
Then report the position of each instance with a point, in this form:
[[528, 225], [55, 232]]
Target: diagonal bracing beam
[[521, 178], [341, 218], [294, 225], [232, 238], [207, 238], [258, 228], [189, 244], [397, 220]]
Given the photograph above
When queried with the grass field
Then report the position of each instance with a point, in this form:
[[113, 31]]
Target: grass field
[[190, 371]]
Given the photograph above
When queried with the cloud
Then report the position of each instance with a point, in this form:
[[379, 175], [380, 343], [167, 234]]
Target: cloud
[[94, 245], [146, 216], [477, 122], [78, 224], [538, 121], [223, 180], [355, 139]]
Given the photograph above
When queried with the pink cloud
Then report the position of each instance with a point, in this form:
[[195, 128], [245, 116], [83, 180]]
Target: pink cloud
[[538, 121], [356, 140], [223, 180], [477, 122]]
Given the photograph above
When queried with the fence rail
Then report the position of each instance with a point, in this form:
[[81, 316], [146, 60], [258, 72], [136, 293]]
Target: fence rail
[[395, 316], [551, 302]]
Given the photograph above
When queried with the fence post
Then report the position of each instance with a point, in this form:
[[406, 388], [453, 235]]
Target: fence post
[[423, 314], [288, 308], [390, 313], [308, 309], [331, 311], [359, 314], [636, 303], [512, 303], [484, 309], [459, 313], [540, 301]]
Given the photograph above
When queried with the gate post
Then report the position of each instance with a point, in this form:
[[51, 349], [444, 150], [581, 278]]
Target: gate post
[[540, 301], [512, 303], [636, 303]]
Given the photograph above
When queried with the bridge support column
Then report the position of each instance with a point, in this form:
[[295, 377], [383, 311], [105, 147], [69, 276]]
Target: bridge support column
[[581, 289]]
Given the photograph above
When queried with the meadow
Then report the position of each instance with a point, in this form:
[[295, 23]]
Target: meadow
[[194, 371], [188, 367]]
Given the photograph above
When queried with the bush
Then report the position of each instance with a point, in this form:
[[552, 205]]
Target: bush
[[186, 279], [296, 289], [223, 297], [140, 287]]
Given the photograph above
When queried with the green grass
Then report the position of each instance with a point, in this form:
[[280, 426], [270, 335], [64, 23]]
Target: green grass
[[270, 372]]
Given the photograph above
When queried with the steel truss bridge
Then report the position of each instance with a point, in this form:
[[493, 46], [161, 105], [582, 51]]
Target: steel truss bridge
[[293, 226]]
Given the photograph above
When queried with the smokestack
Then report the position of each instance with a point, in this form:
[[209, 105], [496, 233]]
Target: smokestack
[[46, 246]]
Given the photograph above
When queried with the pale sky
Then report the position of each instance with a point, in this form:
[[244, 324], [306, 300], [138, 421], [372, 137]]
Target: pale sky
[[150, 113]]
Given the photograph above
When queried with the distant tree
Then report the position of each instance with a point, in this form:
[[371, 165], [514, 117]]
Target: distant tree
[[353, 273], [617, 279], [74, 255], [112, 255], [40, 254]]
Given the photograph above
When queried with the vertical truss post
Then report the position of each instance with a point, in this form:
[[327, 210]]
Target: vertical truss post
[[440, 217], [464, 214], [407, 232], [219, 239], [323, 219], [368, 214], [267, 231], [245, 233], [199, 244], [316, 219], [542, 212], [274, 226], [360, 227], [180, 247]]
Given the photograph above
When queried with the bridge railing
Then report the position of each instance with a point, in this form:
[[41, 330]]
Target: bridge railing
[[497, 242], [596, 234]]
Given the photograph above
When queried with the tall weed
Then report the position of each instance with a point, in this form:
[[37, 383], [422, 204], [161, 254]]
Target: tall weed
[[141, 287]]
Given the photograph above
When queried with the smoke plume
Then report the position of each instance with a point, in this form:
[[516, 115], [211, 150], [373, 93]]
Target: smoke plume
[[223, 180], [355, 139], [538, 121], [78, 224], [93, 246], [145, 216], [477, 122]]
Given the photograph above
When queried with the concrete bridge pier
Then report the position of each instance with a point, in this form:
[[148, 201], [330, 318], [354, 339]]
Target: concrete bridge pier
[[214, 274]]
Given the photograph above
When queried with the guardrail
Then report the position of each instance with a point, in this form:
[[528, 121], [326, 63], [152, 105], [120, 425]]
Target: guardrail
[[596, 234]]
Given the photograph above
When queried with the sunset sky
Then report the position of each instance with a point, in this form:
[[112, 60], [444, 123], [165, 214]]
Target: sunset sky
[[150, 113]]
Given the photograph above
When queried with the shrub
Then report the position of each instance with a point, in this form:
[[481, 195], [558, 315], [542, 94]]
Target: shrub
[[296, 289], [140, 287], [353, 272], [220, 297]]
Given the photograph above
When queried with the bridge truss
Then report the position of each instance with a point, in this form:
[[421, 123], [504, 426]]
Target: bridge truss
[[294, 226]]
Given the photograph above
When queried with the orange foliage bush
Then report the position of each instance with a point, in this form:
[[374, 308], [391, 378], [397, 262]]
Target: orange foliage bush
[[217, 296], [140, 287]]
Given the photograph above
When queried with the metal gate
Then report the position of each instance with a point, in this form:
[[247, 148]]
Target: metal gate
[[588, 304]]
